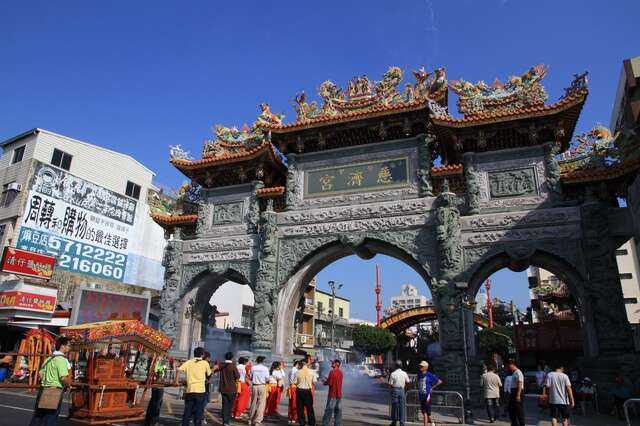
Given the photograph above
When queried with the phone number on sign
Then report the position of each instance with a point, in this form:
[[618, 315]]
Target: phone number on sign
[[75, 256]]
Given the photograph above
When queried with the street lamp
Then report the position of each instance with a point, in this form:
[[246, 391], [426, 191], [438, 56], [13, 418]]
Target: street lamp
[[189, 313], [334, 287], [465, 302]]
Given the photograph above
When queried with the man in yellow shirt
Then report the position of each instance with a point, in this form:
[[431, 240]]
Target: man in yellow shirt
[[197, 370], [305, 382]]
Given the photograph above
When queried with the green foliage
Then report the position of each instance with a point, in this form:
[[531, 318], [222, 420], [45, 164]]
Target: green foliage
[[372, 340], [497, 340]]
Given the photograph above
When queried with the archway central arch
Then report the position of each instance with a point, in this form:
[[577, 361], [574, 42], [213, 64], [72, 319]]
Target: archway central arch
[[293, 289]]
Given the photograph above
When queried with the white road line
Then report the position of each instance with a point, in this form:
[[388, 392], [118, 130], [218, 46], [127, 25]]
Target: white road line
[[18, 394], [16, 408]]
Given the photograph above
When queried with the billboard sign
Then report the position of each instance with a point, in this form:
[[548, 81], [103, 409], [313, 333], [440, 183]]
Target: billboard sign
[[23, 262], [86, 227], [29, 301], [92, 305]]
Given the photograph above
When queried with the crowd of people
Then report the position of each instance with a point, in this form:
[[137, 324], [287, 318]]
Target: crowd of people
[[252, 392], [554, 387]]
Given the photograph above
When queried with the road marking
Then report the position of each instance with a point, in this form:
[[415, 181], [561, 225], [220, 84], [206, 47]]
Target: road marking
[[16, 408], [26, 395], [210, 416]]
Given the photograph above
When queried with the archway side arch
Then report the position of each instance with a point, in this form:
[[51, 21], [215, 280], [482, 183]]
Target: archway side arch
[[293, 287], [206, 279], [552, 263]]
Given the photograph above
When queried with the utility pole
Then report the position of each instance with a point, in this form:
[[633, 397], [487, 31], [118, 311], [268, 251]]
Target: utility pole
[[189, 313], [487, 285], [332, 285], [379, 305], [378, 291]]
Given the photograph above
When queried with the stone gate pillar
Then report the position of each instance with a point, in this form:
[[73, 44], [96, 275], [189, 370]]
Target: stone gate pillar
[[447, 291], [266, 285], [170, 298], [602, 287]]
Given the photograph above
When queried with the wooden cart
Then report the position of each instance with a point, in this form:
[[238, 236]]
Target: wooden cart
[[113, 364]]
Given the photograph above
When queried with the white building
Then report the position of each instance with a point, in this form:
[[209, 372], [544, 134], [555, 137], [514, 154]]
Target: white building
[[408, 298], [83, 204], [628, 268], [237, 301]]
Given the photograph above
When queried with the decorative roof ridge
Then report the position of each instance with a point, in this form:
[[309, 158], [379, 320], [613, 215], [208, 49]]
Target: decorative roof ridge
[[568, 101], [273, 191], [447, 169], [363, 97], [600, 173], [372, 112], [177, 219]]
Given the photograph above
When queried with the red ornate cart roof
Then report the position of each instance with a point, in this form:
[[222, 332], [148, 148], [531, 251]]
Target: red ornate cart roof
[[121, 331]]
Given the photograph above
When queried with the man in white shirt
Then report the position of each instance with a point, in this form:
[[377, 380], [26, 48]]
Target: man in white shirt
[[398, 380], [491, 384], [259, 378], [516, 409], [558, 387]]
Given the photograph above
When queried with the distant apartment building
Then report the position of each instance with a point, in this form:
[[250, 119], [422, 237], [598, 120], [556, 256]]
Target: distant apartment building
[[625, 117], [628, 268], [408, 298], [85, 205], [550, 297]]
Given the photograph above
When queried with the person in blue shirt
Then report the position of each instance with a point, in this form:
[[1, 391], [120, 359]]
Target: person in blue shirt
[[426, 383]]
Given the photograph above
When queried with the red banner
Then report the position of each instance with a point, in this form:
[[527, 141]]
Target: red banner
[[24, 262], [24, 300]]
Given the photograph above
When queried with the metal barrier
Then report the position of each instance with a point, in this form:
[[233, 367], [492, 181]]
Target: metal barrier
[[442, 400], [625, 406]]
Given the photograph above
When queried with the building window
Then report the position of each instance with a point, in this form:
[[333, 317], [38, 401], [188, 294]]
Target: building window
[[7, 195], [133, 190], [625, 276], [2, 228], [320, 307], [18, 153], [630, 300], [247, 316], [621, 252], [341, 312], [61, 159]]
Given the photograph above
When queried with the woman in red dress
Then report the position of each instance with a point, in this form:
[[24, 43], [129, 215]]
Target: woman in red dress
[[276, 381], [244, 392], [291, 393]]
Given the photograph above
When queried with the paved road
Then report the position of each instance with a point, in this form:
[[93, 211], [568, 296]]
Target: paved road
[[363, 405]]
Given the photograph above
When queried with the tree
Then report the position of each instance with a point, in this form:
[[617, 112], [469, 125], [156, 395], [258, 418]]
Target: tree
[[372, 340], [497, 340]]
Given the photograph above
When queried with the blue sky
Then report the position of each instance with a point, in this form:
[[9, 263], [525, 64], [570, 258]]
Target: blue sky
[[138, 76]]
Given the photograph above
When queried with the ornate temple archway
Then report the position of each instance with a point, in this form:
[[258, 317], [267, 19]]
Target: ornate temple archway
[[276, 201]]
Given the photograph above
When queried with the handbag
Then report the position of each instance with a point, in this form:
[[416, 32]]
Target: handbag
[[50, 397]]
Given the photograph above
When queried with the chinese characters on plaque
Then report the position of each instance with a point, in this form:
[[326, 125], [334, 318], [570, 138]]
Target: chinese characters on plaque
[[375, 175]]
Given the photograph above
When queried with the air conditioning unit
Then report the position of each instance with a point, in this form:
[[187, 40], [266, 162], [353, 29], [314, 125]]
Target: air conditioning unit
[[14, 186]]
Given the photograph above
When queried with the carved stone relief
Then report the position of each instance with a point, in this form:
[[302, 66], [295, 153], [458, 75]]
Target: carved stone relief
[[227, 213], [512, 183]]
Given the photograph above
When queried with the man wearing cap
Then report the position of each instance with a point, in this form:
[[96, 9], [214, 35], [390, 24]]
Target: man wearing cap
[[398, 380], [426, 383], [334, 397]]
